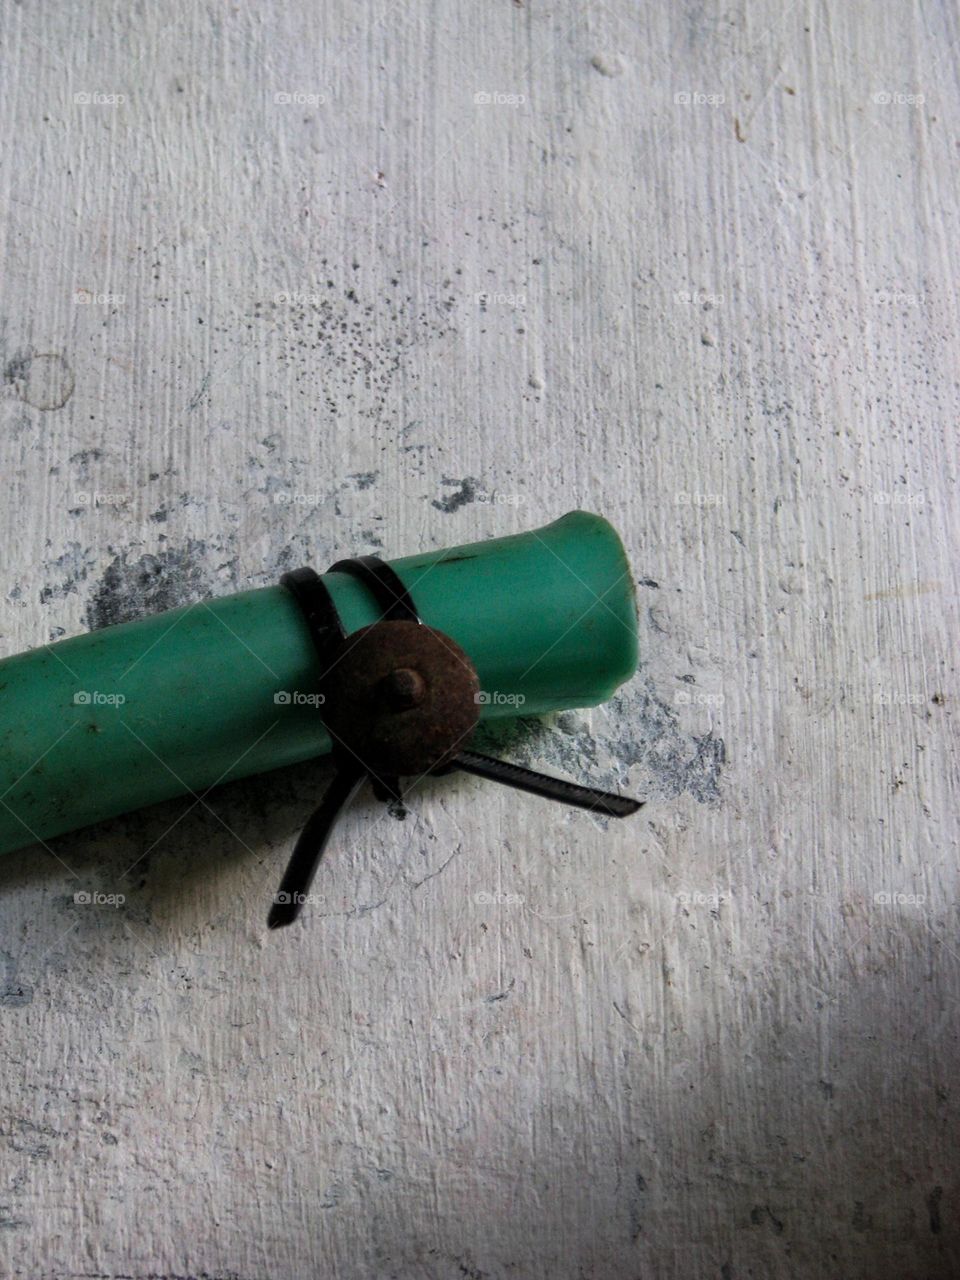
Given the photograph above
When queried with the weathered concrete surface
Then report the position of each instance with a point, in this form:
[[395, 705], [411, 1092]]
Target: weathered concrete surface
[[281, 286]]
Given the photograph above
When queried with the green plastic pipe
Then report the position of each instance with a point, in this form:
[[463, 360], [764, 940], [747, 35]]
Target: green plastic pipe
[[176, 703]]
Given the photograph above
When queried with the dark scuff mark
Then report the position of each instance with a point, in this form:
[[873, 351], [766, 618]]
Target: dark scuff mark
[[761, 1213], [933, 1208], [466, 494], [637, 1205], [151, 1275], [13, 994], [501, 995], [151, 584], [364, 479], [458, 559], [860, 1221], [653, 617], [649, 582], [199, 393], [443, 867]]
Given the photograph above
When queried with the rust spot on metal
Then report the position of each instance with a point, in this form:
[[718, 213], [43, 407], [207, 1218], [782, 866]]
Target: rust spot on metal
[[400, 698]]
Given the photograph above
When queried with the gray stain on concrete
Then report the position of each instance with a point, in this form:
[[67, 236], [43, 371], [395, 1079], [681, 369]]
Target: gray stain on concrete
[[637, 728], [41, 379], [150, 584], [13, 994]]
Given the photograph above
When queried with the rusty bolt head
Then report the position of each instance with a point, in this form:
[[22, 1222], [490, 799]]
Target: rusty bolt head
[[400, 698], [403, 688]]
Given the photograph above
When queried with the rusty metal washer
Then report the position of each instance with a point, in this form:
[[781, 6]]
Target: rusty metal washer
[[400, 698]]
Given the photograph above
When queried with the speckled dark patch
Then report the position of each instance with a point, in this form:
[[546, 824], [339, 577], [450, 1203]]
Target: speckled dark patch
[[465, 494], [63, 575], [131, 589], [355, 342]]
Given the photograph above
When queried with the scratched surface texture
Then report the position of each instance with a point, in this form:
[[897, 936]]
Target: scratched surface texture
[[287, 282]]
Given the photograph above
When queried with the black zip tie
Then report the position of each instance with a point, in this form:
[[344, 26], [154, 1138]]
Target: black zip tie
[[541, 784], [405, 687], [316, 604], [383, 583]]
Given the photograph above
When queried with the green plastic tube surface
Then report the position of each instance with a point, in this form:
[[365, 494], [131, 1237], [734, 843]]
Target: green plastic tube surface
[[173, 704]]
